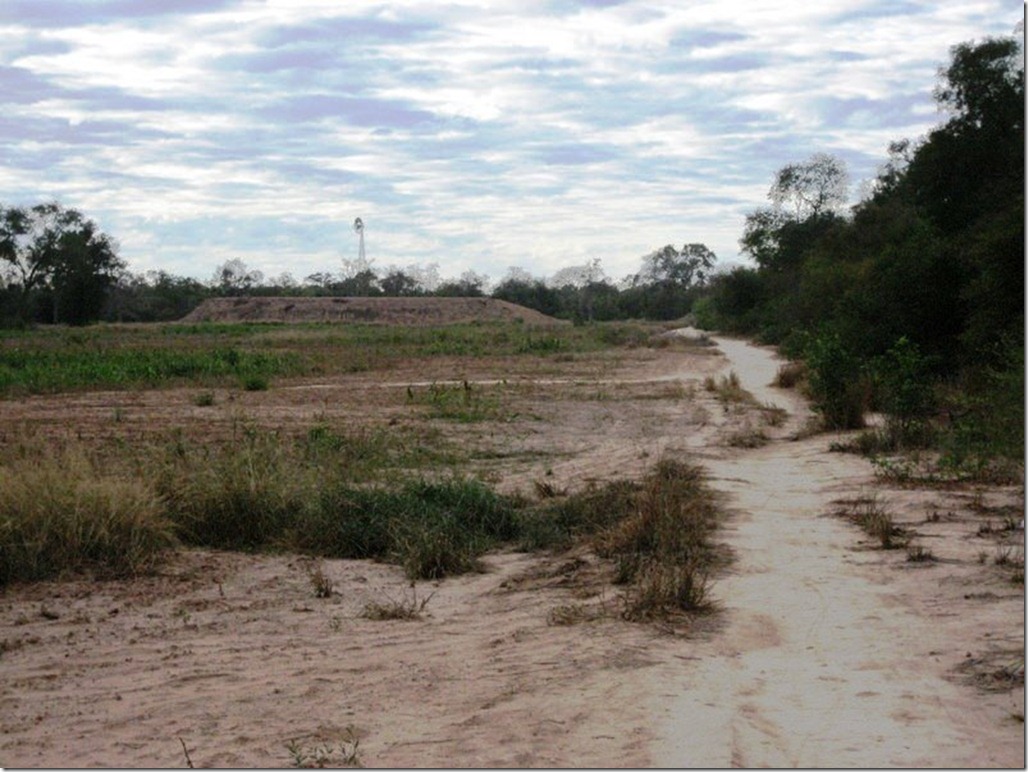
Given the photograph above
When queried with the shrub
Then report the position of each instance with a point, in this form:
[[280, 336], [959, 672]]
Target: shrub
[[907, 394], [837, 383]]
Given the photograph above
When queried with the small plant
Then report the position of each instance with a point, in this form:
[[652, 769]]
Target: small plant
[[255, 383], [204, 399], [407, 608], [875, 520], [918, 554], [572, 614], [547, 490], [790, 375], [728, 389], [321, 583], [346, 754], [748, 437], [773, 415]]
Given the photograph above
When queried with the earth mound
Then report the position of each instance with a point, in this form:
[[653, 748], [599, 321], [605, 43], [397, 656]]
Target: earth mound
[[400, 311]]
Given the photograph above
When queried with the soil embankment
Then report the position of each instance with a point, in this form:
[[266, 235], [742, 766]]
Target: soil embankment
[[427, 311]]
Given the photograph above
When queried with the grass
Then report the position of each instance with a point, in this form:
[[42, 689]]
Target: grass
[[407, 608], [324, 491], [874, 518], [320, 755], [728, 389], [50, 360], [463, 402], [65, 514]]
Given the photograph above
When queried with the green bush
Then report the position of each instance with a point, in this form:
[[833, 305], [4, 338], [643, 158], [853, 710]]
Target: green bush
[[906, 394], [837, 382]]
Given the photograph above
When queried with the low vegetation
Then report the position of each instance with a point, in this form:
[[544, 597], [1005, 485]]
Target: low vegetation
[[48, 360]]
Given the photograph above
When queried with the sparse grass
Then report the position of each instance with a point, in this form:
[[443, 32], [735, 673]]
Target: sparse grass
[[918, 554], [204, 399], [728, 389], [790, 375], [876, 521], [407, 608], [748, 437], [321, 583], [463, 402]]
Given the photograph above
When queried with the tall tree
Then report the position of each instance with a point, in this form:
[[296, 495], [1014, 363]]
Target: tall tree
[[56, 257], [816, 186]]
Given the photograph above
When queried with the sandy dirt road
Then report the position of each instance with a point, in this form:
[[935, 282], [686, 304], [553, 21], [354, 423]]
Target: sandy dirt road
[[829, 652], [829, 657]]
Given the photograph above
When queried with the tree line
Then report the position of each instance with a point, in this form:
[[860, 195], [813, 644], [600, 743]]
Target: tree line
[[56, 266]]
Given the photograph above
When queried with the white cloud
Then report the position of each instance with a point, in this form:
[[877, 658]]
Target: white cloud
[[476, 137]]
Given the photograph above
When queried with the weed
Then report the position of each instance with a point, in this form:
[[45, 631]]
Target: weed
[[918, 554], [321, 583], [204, 399], [462, 402], [255, 382], [405, 608], [748, 437], [346, 754], [728, 389], [571, 614], [547, 490], [875, 520], [773, 415], [790, 375]]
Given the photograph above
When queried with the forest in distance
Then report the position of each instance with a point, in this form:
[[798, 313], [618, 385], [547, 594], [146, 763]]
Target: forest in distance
[[910, 301]]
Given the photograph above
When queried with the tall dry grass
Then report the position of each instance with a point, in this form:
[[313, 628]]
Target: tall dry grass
[[65, 514]]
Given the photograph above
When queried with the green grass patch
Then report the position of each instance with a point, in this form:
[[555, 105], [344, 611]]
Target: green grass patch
[[55, 359]]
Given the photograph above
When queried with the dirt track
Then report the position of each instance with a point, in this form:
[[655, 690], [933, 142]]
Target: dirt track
[[829, 652]]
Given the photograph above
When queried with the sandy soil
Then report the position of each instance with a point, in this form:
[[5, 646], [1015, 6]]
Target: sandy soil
[[828, 652]]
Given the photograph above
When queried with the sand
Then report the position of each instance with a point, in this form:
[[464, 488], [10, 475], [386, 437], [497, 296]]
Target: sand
[[827, 652]]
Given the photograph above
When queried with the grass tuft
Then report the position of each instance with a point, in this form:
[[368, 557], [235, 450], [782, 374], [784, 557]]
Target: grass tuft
[[64, 514]]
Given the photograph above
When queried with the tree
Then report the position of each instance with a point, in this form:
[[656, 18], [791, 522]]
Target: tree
[[681, 268], [470, 285], [234, 277], [397, 283], [57, 259], [816, 186]]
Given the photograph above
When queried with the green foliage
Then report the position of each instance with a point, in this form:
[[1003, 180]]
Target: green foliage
[[59, 263], [907, 392], [836, 381], [53, 359]]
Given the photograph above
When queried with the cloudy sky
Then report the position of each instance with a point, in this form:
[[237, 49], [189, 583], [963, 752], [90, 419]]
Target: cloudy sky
[[478, 135]]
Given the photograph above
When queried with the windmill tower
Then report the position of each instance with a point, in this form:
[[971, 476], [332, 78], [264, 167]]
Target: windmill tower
[[358, 227]]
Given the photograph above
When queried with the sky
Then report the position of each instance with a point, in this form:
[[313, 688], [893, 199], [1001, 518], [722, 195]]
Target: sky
[[478, 136]]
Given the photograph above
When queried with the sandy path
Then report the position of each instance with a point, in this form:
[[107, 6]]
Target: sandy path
[[825, 660]]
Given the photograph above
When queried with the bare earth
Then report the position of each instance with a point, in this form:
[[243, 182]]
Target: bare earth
[[828, 651]]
